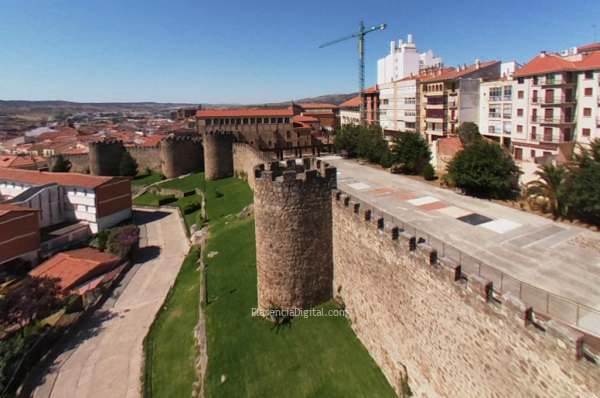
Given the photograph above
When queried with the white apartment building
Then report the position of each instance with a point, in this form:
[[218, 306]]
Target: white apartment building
[[399, 104], [404, 60], [497, 112]]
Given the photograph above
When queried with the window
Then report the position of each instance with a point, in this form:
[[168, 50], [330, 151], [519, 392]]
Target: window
[[221, 121], [273, 120], [279, 120], [533, 133], [208, 122], [287, 119], [259, 120], [533, 153], [521, 80], [238, 121], [520, 94], [536, 80], [495, 111], [507, 111], [547, 133], [270, 144], [587, 111], [245, 120], [519, 112], [495, 94], [507, 93], [588, 91], [519, 128], [226, 121], [288, 134], [297, 135], [385, 102], [589, 74], [507, 127], [585, 132]]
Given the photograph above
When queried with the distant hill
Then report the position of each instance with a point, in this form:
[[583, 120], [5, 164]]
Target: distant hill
[[9, 109]]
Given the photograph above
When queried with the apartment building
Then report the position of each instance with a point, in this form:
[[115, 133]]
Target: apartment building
[[497, 112], [404, 59], [350, 110], [451, 97], [19, 233], [100, 202], [556, 105]]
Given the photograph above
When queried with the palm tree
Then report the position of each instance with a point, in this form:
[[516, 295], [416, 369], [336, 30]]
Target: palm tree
[[549, 186]]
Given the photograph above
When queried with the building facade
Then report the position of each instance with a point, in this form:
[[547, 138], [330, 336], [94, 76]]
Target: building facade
[[19, 233], [404, 60], [497, 112]]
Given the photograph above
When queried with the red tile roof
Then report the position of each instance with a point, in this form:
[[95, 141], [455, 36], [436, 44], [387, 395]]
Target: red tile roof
[[152, 140], [6, 208], [317, 106], [18, 160], [424, 75], [352, 102], [74, 151], [456, 74], [591, 61], [301, 125], [545, 63], [301, 118], [41, 178], [75, 267], [589, 47], [245, 112]]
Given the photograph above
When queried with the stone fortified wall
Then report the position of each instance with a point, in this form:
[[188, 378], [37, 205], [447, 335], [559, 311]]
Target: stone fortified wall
[[80, 162], [218, 154], [294, 257], [147, 156], [245, 158], [418, 315], [181, 155], [105, 157]]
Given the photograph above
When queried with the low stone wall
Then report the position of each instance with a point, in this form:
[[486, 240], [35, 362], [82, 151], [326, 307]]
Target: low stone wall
[[245, 157], [442, 333]]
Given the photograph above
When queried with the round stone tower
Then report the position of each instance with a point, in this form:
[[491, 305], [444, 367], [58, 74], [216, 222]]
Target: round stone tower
[[294, 247], [218, 154], [105, 157], [181, 155]]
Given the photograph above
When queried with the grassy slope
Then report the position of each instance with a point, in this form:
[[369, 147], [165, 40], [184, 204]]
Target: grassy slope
[[173, 348], [316, 357], [144, 179]]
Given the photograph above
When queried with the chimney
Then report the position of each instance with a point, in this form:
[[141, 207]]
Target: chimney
[[393, 45], [439, 72], [543, 54], [410, 38], [459, 68], [477, 64], [464, 66], [400, 42]]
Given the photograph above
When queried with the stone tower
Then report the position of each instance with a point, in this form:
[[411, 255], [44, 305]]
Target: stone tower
[[105, 157], [181, 155], [218, 154], [294, 249]]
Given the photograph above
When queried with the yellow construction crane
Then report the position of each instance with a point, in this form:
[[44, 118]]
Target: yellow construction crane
[[361, 62]]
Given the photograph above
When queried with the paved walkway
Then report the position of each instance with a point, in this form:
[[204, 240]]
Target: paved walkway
[[528, 247], [105, 358]]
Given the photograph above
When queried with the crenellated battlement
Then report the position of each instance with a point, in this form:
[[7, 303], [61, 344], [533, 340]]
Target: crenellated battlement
[[309, 169], [182, 138], [106, 142]]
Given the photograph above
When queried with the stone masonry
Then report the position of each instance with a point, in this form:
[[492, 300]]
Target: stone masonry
[[181, 155], [218, 154], [105, 157], [245, 158], [420, 316], [294, 253]]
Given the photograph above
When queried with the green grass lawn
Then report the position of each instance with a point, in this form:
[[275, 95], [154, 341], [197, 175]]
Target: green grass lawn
[[171, 346], [185, 184], [147, 199], [315, 357], [145, 179]]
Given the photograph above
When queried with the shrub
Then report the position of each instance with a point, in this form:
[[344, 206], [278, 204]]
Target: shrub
[[189, 208], [166, 200], [99, 240], [147, 170], [128, 166], [387, 160], [428, 172], [218, 193], [199, 220], [123, 240], [86, 170], [484, 169], [410, 150], [61, 165]]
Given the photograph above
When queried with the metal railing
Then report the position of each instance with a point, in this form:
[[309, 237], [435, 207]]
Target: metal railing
[[542, 301], [560, 99]]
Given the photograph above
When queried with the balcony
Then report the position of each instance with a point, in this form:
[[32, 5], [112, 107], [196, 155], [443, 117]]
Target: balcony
[[559, 100], [555, 81], [557, 120], [494, 130], [549, 138], [495, 115], [495, 98], [535, 119]]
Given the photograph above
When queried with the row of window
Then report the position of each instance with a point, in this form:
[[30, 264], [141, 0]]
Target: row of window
[[496, 93], [587, 112], [246, 120], [551, 78]]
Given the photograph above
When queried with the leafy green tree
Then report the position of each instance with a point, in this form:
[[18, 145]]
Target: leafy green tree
[[484, 169], [468, 132], [410, 150], [387, 160], [61, 165], [550, 186], [122, 241], [128, 166], [371, 144], [346, 139], [582, 186]]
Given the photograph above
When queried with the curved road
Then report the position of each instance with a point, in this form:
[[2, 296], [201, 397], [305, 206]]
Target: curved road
[[104, 357]]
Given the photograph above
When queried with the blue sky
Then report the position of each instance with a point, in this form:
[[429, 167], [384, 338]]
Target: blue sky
[[254, 51]]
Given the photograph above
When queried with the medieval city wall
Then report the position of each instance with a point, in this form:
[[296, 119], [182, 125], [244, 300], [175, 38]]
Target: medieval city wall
[[245, 158], [80, 162], [147, 156], [181, 155], [419, 316], [218, 154], [105, 157]]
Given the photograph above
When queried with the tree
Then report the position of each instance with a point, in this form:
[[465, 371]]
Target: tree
[[550, 186], [128, 166], [468, 132], [428, 172], [371, 145], [346, 139], [123, 240], [582, 185], [410, 150], [34, 299], [61, 165], [484, 169]]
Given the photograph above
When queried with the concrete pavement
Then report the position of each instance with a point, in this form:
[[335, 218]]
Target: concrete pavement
[[105, 358], [522, 245]]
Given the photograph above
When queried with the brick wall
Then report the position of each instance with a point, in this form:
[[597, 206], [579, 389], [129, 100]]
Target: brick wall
[[414, 318], [245, 158], [19, 234]]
